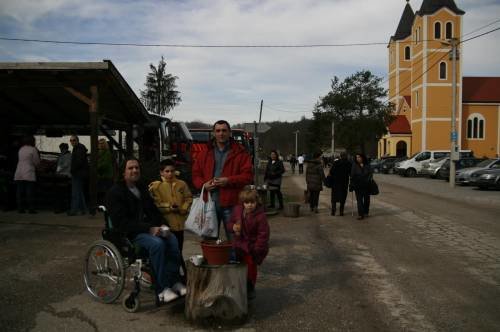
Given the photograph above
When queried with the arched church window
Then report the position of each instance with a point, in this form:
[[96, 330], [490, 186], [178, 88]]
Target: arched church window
[[475, 126], [407, 53], [442, 70], [437, 30], [449, 30]]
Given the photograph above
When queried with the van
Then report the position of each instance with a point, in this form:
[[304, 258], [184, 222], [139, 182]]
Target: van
[[413, 166]]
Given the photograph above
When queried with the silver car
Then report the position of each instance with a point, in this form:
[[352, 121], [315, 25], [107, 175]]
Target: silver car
[[464, 176], [431, 168], [489, 178]]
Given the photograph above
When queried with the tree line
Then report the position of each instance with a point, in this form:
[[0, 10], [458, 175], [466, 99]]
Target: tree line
[[356, 105]]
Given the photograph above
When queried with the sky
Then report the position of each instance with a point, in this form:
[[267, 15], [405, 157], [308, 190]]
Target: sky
[[229, 83]]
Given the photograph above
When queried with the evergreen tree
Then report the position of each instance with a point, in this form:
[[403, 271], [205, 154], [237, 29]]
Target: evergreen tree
[[160, 95]]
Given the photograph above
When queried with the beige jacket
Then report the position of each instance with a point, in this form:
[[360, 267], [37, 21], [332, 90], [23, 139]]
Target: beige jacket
[[167, 194]]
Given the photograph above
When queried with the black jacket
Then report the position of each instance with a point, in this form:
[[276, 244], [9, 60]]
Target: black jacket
[[339, 175], [360, 177], [314, 175], [130, 215], [79, 163], [274, 172]]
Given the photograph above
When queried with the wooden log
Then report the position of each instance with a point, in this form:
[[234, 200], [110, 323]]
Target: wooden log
[[216, 292]]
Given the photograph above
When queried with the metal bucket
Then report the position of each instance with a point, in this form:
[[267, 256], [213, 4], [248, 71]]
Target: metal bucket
[[292, 210]]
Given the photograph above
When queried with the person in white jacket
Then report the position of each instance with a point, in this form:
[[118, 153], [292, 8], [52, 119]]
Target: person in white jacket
[[25, 175]]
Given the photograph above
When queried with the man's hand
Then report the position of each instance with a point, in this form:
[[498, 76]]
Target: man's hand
[[154, 231], [210, 185], [221, 182]]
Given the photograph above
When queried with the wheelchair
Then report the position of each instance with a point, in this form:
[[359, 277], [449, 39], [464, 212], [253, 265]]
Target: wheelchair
[[113, 261]]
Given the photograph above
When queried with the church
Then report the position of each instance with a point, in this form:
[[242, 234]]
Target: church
[[420, 87]]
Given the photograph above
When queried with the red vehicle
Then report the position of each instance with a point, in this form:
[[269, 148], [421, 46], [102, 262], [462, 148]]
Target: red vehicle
[[202, 136]]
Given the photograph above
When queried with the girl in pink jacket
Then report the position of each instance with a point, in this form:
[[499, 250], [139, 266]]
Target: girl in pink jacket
[[249, 224]]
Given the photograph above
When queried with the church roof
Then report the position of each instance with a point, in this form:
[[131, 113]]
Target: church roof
[[481, 90], [408, 100], [431, 6], [400, 125], [405, 23]]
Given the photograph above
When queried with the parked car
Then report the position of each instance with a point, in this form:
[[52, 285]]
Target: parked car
[[387, 166], [431, 168], [488, 178], [413, 166], [444, 170], [464, 176], [375, 165]]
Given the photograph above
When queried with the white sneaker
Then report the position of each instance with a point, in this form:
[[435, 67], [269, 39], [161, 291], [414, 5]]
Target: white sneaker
[[179, 288], [167, 295]]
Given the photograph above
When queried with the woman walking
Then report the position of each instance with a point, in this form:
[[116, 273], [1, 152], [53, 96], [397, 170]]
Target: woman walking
[[339, 175], [314, 180], [273, 175], [25, 176], [361, 176]]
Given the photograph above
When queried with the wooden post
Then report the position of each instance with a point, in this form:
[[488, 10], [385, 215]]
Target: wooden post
[[93, 111], [216, 292]]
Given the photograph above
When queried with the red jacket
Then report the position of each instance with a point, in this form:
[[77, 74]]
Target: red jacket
[[237, 168], [254, 238]]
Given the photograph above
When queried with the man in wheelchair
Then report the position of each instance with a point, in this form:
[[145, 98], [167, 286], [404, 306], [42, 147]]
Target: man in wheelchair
[[135, 215]]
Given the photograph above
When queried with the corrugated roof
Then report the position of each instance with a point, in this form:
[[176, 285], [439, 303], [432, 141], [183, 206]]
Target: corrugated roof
[[481, 90], [400, 125], [405, 23], [431, 6]]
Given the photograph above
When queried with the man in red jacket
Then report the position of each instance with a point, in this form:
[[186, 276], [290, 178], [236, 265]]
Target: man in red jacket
[[224, 169]]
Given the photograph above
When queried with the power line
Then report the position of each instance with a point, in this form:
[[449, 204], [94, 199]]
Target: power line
[[50, 41], [481, 28], [480, 35]]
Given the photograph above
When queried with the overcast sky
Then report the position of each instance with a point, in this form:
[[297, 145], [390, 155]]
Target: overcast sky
[[228, 83]]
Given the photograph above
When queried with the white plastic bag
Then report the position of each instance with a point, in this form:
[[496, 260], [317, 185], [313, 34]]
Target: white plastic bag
[[202, 218]]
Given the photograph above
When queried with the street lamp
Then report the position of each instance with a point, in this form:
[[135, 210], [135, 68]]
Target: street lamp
[[296, 141]]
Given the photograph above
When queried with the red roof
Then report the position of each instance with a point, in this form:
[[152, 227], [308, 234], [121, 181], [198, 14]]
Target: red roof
[[408, 100], [400, 125], [481, 90]]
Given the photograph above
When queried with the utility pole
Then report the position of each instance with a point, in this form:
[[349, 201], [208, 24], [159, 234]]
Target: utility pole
[[256, 160], [454, 153], [333, 139]]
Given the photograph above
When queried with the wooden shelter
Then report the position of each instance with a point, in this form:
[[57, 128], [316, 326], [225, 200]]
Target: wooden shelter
[[83, 98]]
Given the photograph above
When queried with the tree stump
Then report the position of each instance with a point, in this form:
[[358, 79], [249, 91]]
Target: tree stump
[[216, 292]]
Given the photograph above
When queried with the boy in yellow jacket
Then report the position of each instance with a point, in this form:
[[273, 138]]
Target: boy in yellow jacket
[[173, 198]]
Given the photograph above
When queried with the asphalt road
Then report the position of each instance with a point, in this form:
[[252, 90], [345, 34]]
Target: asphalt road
[[418, 263]]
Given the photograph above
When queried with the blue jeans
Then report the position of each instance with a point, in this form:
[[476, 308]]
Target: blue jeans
[[223, 215], [165, 258], [77, 195]]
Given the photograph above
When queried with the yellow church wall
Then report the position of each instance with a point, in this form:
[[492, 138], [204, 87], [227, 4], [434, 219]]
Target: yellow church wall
[[416, 142], [439, 102], [489, 146], [405, 83], [438, 135], [391, 145]]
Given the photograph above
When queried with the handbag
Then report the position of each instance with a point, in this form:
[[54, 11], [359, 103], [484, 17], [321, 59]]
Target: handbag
[[329, 181], [202, 218], [373, 188]]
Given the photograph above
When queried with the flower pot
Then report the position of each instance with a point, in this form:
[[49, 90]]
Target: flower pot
[[216, 254]]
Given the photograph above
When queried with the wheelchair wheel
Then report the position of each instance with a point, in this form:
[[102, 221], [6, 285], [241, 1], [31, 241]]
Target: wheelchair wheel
[[131, 303], [103, 271]]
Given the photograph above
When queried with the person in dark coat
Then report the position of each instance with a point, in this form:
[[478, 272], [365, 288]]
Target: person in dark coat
[[339, 175], [79, 174], [361, 175], [249, 224], [274, 173], [135, 215], [314, 180], [293, 163]]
